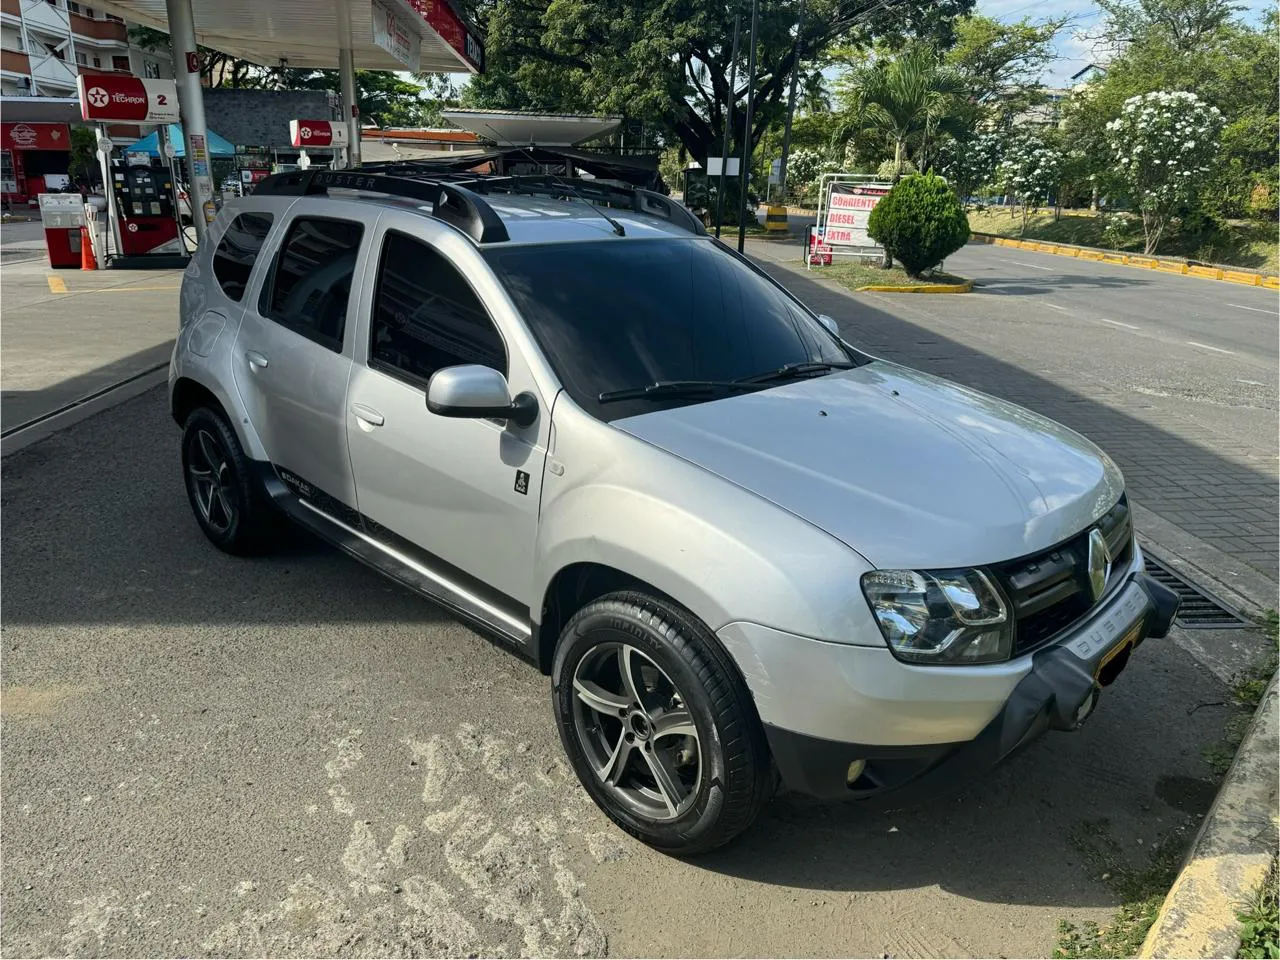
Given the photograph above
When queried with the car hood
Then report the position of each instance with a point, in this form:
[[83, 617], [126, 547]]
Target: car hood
[[909, 470]]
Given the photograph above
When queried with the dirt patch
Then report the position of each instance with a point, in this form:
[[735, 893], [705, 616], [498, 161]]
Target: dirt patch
[[20, 702]]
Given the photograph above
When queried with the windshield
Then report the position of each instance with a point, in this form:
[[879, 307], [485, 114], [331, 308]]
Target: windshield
[[622, 314]]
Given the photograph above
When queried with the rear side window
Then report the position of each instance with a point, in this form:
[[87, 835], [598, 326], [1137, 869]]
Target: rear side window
[[237, 250], [426, 316], [312, 279]]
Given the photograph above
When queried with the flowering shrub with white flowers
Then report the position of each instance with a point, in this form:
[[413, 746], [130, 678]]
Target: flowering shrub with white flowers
[[1163, 144], [803, 167], [1031, 171], [970, 164]]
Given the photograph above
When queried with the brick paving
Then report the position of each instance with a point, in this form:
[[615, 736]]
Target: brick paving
[[1213, 487]]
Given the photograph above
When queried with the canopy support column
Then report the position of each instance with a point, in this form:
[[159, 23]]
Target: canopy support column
[[186, 67], [347, 75]]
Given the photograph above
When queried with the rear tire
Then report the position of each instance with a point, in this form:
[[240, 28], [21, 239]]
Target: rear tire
[[228, 503], [658, 725]]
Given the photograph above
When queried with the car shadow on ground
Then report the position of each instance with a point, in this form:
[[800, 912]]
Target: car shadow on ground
[[1054, 283]]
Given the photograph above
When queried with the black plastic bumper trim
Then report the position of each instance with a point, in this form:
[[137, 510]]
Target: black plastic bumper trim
[[1050, 697]]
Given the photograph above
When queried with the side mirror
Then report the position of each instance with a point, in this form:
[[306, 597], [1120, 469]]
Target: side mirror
[[832, 327], [472, 391]]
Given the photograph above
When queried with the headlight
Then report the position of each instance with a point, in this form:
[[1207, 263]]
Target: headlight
[[940, 616]]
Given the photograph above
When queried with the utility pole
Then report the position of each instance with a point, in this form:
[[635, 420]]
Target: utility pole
[[791, 107], [728, 123], [746, 139]]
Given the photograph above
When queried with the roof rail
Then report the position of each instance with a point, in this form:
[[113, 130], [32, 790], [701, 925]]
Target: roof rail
[[608, 192], [450, 202], [456, 198]]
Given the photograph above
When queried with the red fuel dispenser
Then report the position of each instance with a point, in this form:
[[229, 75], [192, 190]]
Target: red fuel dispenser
[[144, 204]]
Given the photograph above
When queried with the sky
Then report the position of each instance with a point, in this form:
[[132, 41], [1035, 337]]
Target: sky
[[1074, 45]]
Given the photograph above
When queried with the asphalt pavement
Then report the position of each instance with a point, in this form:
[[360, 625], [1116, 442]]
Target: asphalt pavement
[[290, 755]]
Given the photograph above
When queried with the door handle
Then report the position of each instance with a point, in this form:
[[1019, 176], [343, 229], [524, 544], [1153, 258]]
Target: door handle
[[368, 415], [256, 360]]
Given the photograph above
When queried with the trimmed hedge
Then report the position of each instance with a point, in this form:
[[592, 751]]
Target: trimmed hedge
[[920, 222]]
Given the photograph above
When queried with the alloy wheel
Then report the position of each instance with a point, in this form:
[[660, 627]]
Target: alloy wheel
[[636, 731], [212, 481]]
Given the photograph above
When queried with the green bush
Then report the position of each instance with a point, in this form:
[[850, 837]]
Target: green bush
[[920, 221]]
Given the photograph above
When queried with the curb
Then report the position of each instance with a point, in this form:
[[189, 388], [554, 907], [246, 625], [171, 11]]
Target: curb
[[1232, 852], [965, 287], [1246, 277]]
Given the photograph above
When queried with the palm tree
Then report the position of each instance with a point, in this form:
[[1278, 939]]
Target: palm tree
[[903, 101]]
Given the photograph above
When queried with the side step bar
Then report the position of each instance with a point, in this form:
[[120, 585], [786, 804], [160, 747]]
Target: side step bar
[[415, 573]]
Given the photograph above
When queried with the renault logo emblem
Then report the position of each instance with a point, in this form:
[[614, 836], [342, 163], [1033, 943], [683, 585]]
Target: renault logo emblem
[[1099, 563]]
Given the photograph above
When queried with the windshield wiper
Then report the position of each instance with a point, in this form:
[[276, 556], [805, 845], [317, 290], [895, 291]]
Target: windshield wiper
[[675, 388], [790, 370]]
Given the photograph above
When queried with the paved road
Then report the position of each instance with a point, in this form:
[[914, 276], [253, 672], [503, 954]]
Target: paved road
[[1176, 377], [22, 241], [68, 334]]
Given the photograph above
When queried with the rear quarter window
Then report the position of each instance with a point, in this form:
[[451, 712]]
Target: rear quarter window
[[237, 251]]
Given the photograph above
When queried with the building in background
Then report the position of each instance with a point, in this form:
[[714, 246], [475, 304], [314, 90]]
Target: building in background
[[46, 44]]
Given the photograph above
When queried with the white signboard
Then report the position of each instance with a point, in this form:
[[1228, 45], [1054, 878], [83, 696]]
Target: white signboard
[[714, 163], [395, 34], [127, 99], [60, 210], [847, 214], [775, 171]]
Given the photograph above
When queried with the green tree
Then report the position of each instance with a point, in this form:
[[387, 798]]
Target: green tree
[[1184, 25], [1001, 64], [669, 61], [381, 96], [1162, 143], [902, 101], [217, 69], [1031, 170], [920, 222], [82, 166]]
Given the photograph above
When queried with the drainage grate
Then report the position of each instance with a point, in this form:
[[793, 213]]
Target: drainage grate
[[1199, 610]]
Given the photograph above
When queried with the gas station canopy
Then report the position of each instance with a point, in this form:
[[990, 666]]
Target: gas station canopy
[[523, 128], [304, 32]]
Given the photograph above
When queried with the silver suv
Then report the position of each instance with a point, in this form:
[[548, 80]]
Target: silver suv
[[745, 551]]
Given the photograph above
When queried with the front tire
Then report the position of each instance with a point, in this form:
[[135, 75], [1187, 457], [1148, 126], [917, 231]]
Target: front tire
[[230, 508], [658, 725]]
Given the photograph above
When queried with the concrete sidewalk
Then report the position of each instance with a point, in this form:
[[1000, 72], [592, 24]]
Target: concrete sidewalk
[[69, 335]]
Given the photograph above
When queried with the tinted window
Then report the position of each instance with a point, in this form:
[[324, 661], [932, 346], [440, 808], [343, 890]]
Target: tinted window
[[237, 251], [426, 316], [312, 279], [619, 314]]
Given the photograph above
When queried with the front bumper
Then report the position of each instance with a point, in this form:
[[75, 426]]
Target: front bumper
[[1057, 692]]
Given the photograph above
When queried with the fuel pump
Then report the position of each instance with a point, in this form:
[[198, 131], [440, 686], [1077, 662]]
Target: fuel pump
[[144, 205]]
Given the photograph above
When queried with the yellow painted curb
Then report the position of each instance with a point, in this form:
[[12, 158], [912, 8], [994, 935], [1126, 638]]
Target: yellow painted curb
[[965, 287], [1230, 855], [1241, 276], [1246, 277]]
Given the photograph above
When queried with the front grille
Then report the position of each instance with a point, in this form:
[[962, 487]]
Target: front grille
[[1049, 590]]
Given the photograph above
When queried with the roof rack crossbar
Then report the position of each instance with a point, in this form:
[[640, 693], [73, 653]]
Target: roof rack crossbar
[[450, 202], [457, 198]]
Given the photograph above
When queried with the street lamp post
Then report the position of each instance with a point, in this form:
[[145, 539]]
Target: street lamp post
[[791, 106], [728, 123], [746, 137]]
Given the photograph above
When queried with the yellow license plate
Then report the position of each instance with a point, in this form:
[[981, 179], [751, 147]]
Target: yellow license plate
[[1125, 643]]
